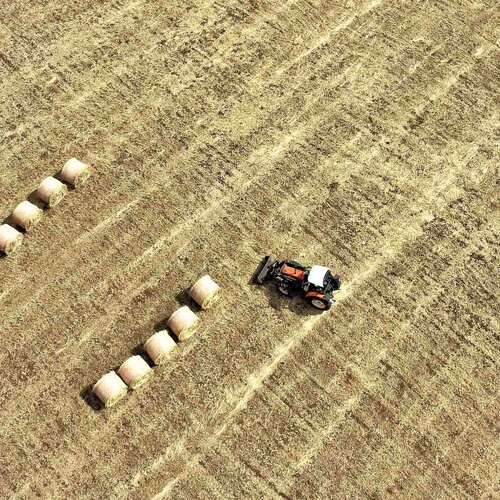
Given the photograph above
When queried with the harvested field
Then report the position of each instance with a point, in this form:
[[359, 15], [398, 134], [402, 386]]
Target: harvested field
[[361, 135]]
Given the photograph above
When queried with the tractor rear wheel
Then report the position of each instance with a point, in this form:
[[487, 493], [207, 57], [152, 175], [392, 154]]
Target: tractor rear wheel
[[321, 303]]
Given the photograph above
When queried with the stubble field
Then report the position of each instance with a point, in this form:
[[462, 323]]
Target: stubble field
[[359, 135]]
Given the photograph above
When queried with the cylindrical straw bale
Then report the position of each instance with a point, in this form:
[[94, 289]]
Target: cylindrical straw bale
[[135, 372], [75, 172], [110, 389], [10, 239], [52, 191], [183, 322], [205, 292], [27, 215], [159, 346]]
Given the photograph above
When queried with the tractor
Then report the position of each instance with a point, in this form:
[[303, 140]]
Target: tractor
[[315, 284]]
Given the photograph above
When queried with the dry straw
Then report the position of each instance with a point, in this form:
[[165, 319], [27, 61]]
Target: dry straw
[[52, 191], [183, 322], [27, 215], [110, 389], [159, 346], [10, 239], [205, 292], [135, 372], [75, 172]]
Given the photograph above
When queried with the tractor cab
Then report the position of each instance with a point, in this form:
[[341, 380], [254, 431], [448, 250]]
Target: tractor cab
[[317, 276]]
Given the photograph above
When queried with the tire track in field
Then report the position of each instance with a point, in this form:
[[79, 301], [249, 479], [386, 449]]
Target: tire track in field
[[446, 277], [254, 383], [239, 400], [318, 444], [158, 183], [327, 38], [203, 214], [278, 150], [258, 156]]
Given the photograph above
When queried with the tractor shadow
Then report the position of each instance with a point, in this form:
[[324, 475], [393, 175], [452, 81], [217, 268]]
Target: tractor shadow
[[280, 302]]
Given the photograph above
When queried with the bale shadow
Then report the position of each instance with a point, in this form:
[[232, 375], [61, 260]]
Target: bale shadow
[[58, 176], [91, 399], [8, 220], [162, 325], [184, 299], [138, 350], [33, 198]]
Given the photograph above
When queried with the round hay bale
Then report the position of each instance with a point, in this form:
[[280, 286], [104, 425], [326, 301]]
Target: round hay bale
[[159, 346], [75, 172], [27, 215], [183, 322], [205, 292], [110, 389], [52, 191], [10, 239], [135, 372]]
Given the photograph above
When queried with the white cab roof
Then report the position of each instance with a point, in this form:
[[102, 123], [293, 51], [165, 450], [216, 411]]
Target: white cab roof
[[317, 275]]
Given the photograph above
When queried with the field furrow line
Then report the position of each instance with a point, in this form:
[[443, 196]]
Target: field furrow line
[[259, 157], [392, 249], [239, 400], [159, 183]]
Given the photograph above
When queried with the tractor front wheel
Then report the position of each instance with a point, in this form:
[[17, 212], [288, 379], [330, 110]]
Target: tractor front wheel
[[284, 290], [321, 303]]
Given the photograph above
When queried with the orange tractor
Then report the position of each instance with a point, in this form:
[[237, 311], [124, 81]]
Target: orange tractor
[[316, 284]]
